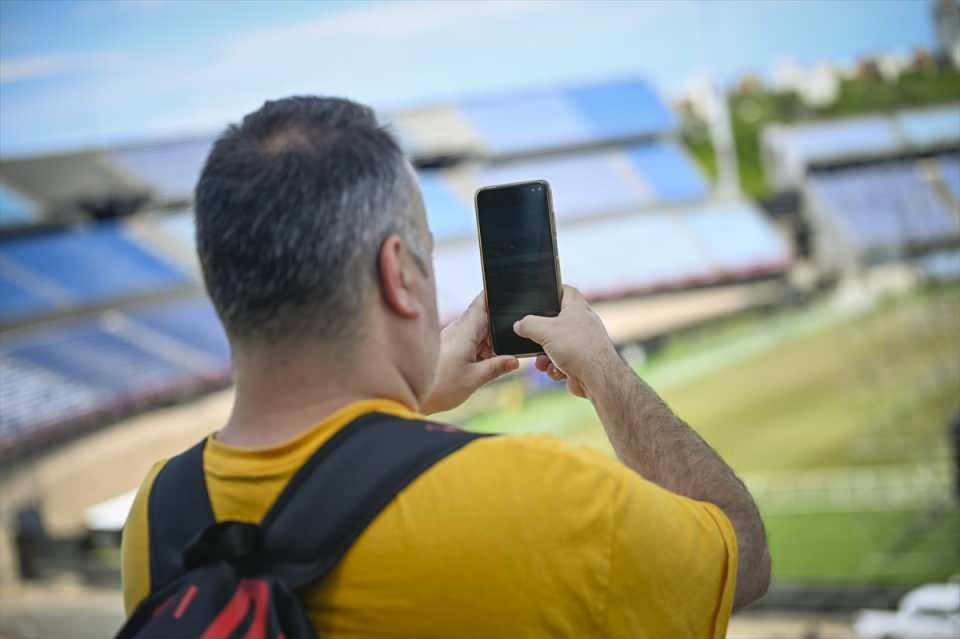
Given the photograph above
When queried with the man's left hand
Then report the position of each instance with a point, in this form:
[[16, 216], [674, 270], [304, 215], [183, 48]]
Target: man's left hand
[[467, 361]]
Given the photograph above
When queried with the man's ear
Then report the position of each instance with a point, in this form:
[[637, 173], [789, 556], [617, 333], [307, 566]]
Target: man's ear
[[394, 264]]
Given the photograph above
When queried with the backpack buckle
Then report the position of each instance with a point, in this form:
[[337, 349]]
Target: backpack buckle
[[237, 543]]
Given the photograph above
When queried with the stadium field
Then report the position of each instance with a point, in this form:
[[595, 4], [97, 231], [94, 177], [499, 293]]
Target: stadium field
[[834, 415]]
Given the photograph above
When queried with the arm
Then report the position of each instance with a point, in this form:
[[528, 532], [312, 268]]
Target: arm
[[645, 433]]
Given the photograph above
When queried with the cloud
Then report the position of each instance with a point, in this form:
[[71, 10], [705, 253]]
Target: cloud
[[396, 20], [34, 67], [141, 4]]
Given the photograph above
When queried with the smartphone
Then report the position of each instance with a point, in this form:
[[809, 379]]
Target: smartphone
[[518, 253]]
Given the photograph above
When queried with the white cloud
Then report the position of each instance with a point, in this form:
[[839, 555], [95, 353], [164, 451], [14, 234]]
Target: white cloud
[[34, 67], [396, 20], [141, 4]]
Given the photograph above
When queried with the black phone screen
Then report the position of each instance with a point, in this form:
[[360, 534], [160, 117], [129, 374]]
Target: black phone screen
[[519, 260]]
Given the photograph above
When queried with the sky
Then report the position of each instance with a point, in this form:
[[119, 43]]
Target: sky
[[86, 73]]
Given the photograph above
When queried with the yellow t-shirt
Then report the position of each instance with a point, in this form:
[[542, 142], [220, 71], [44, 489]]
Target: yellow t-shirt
[[509, 537]]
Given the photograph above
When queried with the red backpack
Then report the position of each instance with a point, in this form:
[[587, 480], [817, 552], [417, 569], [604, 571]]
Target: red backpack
[[235, 580]]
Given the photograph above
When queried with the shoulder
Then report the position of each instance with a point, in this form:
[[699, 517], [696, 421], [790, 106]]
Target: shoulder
[[570, 486], [139, 509], [546, 461], [535, 479]]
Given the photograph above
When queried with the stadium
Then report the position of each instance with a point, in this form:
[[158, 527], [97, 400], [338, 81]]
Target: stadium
[[814, 344]]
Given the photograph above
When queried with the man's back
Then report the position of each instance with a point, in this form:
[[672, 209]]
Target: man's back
[[508, 537], [316, 252]]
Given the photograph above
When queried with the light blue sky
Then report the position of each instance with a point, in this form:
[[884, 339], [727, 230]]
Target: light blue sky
[[87, 73]]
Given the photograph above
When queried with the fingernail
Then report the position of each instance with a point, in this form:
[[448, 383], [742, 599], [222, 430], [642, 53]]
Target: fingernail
[[516, 326]]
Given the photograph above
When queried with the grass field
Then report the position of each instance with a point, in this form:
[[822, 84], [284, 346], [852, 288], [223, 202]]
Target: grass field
[[814, 394]]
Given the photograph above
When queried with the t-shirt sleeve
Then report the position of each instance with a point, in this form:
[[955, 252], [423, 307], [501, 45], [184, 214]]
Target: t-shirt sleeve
[[135, 546], [673, 563]]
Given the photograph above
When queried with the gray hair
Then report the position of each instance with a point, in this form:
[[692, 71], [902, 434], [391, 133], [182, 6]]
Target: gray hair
[[292, 207]]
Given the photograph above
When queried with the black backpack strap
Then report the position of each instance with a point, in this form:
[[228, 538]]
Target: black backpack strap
[[177, 508], [334, 496]]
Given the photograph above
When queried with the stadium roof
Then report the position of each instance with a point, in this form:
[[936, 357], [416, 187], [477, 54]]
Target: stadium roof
[[491, 127], [521, 123]]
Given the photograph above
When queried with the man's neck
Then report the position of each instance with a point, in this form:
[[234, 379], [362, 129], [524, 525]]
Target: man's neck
[[279, 398]]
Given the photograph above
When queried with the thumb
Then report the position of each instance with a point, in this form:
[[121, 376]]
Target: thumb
[[533, 327], [490, 369]]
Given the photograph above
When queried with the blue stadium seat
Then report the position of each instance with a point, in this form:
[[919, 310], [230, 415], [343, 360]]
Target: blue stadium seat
[[736, 237], [551, 119], [170, 169], [622, 109], [91, 354], [17, 301], [885, 206], [521, 123], [448, 215], [668, 171], [91, 265], [54, 375], [582, 184], [192, 321], [832, 139], [643, 252], [34, 398]]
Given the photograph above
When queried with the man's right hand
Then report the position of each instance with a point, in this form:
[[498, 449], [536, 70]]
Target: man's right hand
[[576, 344]]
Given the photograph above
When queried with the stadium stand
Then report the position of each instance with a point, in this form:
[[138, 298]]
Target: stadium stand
[[619, 179], [790, 150], [738, 240], [14, 208], [872, 188], [582, 184], [58, 182], [77, 268], [536, 121], [109, 317], [931, 126], [448, 214], [171, 169], [193, 322], [657, 251], [886, 207], [670, 173], [949, 168], [64, 375]]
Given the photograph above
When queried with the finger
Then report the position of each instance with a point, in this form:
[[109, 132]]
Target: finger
[[479, 301], [490, 369], [555, 373], [474, 319], [571, 294], [485, 350], [542, 362], [533, 327]]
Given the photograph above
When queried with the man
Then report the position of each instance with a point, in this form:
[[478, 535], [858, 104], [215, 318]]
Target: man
[[315, 251]]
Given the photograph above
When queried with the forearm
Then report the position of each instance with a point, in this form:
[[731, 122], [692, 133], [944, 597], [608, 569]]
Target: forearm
[[654, 442]]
